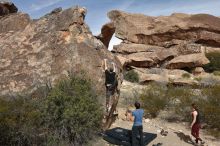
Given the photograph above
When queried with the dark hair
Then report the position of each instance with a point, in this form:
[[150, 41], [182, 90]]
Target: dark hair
[[194, 106], [111, 69], [137, 105]]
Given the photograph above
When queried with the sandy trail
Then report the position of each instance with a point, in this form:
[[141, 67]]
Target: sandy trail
[[176, 132]]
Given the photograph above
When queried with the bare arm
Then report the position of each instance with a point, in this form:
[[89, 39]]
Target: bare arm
[[194, 118], [105, 64], [130, 116], [114, 68]]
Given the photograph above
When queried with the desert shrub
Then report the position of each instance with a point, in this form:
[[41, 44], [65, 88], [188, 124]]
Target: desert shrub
[[19, 122], [209, 81], [131, 76], [214, 64], [71, 111], [154, 99], [186, 75], [68, 115], [198, 79], [216, 73], [179, 100], [210, 106]]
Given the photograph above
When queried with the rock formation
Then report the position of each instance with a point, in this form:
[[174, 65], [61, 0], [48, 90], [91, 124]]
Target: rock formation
[[171, 42], [39, 52], [7, 8]]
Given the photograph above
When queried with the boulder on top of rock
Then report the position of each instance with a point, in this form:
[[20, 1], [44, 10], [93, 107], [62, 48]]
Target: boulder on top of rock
[[107, 32], [198, 71], [7, 8], [188, 61], [141, 29], [149, 58]]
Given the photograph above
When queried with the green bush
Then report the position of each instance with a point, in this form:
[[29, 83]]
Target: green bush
[[68, 115], [20, 122], [71, 111], [214, 64], [131, 76], [210, 107], [186, 75], [216, 73], [154, 100], [179, 100]]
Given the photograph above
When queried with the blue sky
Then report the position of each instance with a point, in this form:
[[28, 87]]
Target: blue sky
[[97, 9]]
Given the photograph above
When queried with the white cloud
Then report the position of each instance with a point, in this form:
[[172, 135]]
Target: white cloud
[[43, 4]]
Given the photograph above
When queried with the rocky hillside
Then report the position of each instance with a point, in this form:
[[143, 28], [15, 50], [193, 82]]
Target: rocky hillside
[[163, 48]]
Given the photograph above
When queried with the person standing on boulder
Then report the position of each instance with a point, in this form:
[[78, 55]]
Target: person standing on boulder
[[110, 83], [137, 128], [195, 125]]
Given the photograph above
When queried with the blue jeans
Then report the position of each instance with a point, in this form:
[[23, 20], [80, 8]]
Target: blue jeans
[[136, 132]]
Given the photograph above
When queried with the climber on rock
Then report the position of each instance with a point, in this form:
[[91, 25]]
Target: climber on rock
[[110, 83]]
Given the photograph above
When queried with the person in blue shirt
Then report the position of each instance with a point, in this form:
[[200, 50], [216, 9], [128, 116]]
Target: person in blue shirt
[[137, 128]]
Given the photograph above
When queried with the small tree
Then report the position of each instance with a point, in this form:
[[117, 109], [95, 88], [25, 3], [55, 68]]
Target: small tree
[[71, 111], [214, 64]]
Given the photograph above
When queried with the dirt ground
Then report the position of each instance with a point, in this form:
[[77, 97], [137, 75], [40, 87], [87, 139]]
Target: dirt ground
[[178, 133]]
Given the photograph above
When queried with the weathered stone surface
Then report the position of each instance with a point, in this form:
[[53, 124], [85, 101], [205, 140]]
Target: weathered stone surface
[[123, 60], [198, 70], [141, 55], [185, 48], [141, 29], [177, 74], [7, 8], [211, 49], [187, 61], [45, 50], [146, 78], [184, 82], [107, 32], [124, 48], [14, 22]]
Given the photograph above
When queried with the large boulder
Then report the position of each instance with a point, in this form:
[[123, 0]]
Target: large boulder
[[141, 29], [140, 55], [7, 8], [51, 48], [47, 49], [188, 61], [107, 32]]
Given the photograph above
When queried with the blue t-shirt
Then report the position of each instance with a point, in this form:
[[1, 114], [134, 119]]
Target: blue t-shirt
[[138, 116]]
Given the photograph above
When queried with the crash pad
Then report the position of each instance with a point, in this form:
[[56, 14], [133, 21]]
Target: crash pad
[[121, 136]]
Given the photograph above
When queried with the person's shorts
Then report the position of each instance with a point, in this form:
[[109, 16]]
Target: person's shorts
[[195, 128], [109, 91]]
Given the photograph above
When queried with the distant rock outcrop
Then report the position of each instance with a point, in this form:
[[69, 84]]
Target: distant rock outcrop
[[171, 42]]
